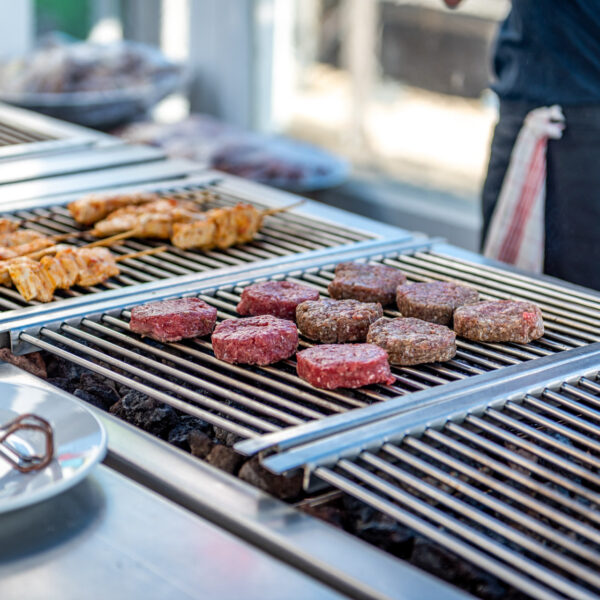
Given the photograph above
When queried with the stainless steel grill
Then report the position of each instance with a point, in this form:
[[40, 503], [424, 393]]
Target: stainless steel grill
[[253, 401], [514, 488], [282, 235], [10, 134]]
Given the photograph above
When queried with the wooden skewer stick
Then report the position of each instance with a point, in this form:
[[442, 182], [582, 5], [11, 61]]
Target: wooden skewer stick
[[141, 253], [274, 211], [113, 238], [59, 237], [53, 249]]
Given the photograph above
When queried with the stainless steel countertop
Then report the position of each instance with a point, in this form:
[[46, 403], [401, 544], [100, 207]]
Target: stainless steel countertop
[[111, 538]]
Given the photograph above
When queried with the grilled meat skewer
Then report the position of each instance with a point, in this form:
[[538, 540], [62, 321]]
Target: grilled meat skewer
[[91, 208], [154, 219], [69, 266]]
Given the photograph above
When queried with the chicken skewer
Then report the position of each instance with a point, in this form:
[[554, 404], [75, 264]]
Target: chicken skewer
[[219, 227], [25, 241], [51, 248], [223, 227], [94, 207], [154, 219], [68, 267]]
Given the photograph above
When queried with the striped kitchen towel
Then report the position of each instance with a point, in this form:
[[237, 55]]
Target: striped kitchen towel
[[516, 233]]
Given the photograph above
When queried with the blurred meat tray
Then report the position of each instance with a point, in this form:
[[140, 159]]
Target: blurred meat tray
[[275, 161]]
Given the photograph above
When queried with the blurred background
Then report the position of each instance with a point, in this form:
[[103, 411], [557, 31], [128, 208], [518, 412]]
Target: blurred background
[[377, 106]]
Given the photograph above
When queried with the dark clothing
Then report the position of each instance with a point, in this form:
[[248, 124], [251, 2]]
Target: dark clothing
[[548, 52], [572, 249]]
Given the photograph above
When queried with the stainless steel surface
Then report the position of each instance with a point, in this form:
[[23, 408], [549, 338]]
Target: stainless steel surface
[[307, 544], [24, 133], [66, 163], [110, 538], [85, 182], [511, 486]]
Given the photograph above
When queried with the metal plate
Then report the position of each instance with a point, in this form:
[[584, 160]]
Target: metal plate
[[79, 444]]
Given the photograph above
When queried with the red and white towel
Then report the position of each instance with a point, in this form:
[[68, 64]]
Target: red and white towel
[[516, 233]]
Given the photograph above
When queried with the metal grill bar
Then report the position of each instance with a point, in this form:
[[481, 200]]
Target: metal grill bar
[[270, 399], [518, 484], [282, 235], [10, 134]]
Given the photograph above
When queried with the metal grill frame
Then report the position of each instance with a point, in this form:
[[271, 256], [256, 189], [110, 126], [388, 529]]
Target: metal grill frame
[[380, 464], [25, 335], [376, 233], [53, 136]]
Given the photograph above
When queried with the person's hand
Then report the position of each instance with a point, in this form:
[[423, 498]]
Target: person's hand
[[452, 3]]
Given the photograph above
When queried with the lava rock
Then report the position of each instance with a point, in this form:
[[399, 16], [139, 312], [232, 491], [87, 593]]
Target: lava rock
[[224, 458], [103, 391], [200, 444], [146, 413], [280, 486], [179, 435], [33, 362], [225, 437], [59, 368], [444, 564], [68, 385], [387, 534]]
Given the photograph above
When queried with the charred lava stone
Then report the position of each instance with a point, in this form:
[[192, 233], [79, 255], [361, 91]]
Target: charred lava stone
[[200, 443], [438, 561], [278, 485], [180, 434], [146, 413], [97, 391], [225, 458]]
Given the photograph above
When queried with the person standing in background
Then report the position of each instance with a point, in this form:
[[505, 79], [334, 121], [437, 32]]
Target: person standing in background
[[547, 53]]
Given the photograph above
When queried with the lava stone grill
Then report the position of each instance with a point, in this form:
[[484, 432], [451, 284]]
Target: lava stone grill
[[530, 465], [282, 235]]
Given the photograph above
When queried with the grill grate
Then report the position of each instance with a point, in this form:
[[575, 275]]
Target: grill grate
[[251, 401], [514, 490], [11, 135], [281, 235]]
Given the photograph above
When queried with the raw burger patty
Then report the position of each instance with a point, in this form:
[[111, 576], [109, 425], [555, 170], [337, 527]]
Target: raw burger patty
[[277, 298], [500, 321], [367, 283], [434, 301], [410, 341], [260, 340], [340, 321], [172, 320], [344, 365]]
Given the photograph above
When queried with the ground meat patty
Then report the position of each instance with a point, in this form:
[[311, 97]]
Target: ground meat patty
[[344, 365], [340, 321], [172, 320], [367, 283], [434, 301], [260, 340], [410, 341], [277, 298], [499, 321]]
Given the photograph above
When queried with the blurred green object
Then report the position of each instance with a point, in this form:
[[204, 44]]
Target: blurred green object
[[73, 17]]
